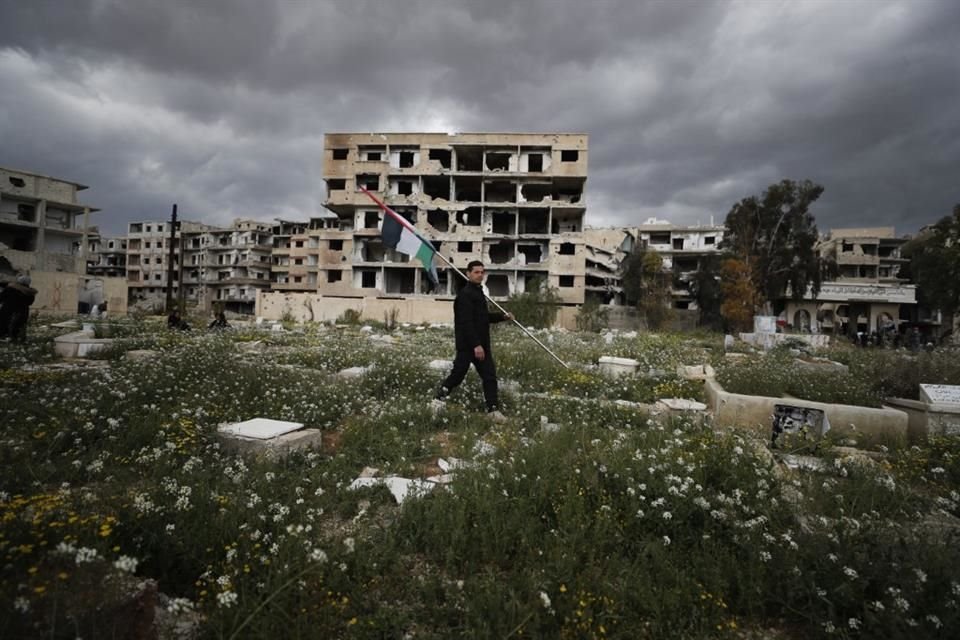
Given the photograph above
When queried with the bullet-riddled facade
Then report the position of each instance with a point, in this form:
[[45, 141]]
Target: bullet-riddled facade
[[515, 201]]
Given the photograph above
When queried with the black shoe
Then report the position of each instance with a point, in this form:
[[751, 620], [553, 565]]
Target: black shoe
[[442, 393]]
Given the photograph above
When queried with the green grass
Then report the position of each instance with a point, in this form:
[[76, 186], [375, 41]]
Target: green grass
[[617, 525]]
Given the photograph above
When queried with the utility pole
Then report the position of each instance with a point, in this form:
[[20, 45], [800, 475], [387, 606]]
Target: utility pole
[[170, 258]]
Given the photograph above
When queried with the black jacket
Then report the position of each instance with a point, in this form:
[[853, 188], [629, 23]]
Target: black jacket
[[17, 298], [471, 319]]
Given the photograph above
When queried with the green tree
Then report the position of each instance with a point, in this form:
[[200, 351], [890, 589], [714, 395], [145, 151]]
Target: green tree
[[646, 285], [740, 296], [535, 307], [775, 236], [935, 263], [592, 316], [706, 290]]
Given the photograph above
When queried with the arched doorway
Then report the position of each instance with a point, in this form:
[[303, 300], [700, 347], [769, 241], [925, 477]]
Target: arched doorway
[[801, 321]]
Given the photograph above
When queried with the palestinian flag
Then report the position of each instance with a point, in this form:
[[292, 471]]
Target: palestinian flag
[[399, 234]]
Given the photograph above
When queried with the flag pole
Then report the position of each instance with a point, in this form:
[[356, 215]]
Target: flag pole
[[383, 206]]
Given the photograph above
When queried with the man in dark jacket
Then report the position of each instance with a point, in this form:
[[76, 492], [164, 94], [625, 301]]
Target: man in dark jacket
[[471, 322], [15, 301]]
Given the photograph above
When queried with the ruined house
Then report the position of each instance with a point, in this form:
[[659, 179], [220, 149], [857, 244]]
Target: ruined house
[[514, 201], [684, 249], [215, 266], [44, 232], [868, 293]]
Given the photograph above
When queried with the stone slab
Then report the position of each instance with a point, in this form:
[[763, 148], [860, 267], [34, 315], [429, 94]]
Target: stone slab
[[940, 393], [272, 447], [441, 365], [764, 324], [618, 366], [681, 404], [260, 428]]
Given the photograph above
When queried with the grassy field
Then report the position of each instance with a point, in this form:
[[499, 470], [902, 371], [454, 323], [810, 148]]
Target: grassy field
[[617, 524]]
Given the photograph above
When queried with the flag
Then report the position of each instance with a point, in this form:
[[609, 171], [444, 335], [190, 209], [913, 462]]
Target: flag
[[399, 234]]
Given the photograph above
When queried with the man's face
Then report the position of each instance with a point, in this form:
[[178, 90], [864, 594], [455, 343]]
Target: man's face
[[475, 275]]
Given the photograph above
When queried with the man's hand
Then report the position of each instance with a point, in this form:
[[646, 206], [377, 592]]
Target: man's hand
[[478, 353], [508, 316]]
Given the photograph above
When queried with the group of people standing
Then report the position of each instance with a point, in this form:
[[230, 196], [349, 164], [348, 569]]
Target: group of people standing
[[15, 300]]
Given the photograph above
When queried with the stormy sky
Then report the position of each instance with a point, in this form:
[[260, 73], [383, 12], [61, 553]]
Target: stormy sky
[[221, 106]]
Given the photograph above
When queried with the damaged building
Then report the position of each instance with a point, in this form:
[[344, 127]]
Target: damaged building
[[212, 266], [685, 250], [868, 293], [45, 232], [514, 201]]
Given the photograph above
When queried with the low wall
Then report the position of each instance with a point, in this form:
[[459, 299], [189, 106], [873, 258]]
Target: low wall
[[57, 291], [770, 340], [311, 307], [756, 413], [928, 419]]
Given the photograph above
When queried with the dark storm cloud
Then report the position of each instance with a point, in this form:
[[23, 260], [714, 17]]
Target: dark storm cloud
[[221, 106]]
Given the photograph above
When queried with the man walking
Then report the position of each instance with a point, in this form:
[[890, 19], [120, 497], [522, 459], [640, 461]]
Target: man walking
[[15, 301], [471, 322]]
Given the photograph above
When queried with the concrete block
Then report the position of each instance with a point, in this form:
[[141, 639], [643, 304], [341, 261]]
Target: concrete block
[[273, 448], [618, 366], [680, 404], [260, 428], [925, 419]]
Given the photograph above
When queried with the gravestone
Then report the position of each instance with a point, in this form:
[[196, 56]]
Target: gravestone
[[271, 438], [793, 420], [764, 324], [940, 393], [618, 366]]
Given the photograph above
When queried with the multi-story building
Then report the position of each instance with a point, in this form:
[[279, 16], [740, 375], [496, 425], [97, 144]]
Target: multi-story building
[[684, 249], [606, 249], [42, 224], [214, 265], [514, 201], [106, 256], [868, 293]]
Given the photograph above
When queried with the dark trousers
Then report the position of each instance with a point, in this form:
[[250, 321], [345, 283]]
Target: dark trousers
[[488, 374]]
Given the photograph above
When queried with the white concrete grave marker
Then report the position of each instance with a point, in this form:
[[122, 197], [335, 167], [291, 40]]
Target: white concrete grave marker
[[940, 393], [618, 366], [260, 428]]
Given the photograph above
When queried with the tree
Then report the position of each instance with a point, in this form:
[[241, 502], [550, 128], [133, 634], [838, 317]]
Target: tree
[[740, 295], [647, 286], [535, 307], [775, 236], [707, 292], [592, 316], [935, 263]]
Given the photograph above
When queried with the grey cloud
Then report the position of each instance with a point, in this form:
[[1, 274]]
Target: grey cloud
[[689, 106]]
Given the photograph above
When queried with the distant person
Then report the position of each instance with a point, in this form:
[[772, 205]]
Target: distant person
[[15, 301], [471, 326], [914, 340], [175, 322], [219, 322], [95, 312]]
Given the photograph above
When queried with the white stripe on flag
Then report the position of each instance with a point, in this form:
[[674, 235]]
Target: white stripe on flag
[[409, 243]]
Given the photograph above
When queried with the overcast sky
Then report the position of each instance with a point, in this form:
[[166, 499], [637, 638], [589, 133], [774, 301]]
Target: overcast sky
[[221, 106]]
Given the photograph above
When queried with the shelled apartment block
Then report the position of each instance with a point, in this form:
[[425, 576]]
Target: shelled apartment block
[[222, 266], [685, 250], [106, 256], [868, 293], [515, 201], [43, 226]]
